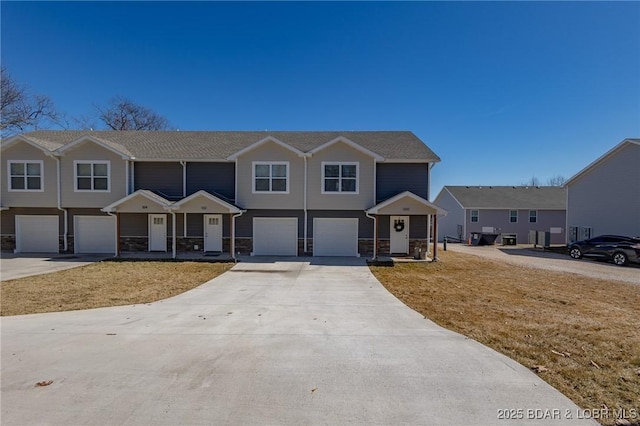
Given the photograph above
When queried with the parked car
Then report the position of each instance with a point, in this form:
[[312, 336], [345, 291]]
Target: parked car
[[619, 249]]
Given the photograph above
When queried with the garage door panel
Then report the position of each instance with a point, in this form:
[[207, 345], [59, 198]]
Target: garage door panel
[[37, 234], [94, 234], [275, 236], [335, 237]]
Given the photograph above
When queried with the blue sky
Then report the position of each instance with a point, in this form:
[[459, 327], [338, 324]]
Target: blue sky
[[501, 91]]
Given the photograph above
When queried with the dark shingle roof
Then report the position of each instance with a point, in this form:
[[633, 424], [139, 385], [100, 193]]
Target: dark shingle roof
[[218, 145], [510, 197]]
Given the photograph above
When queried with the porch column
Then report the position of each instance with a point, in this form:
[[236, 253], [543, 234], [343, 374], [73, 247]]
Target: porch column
[[428, 231], [435, 238], [232, 236], [118, 234]]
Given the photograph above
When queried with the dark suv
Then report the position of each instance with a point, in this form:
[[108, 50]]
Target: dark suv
[[621, 250]]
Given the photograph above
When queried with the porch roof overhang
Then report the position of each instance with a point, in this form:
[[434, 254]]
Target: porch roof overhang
[[406, 204], [203, 202], [141, 201]]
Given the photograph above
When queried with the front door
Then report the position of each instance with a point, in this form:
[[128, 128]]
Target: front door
[[212, 232], [399, 234], [157, 232]]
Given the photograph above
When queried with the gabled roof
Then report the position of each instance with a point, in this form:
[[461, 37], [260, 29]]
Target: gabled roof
[[155, 198], [348, 142], [204, 194], [430, 208], [111, 146], [220, 145], [613, 151], [44, 145], [509, 197], [262, 142]]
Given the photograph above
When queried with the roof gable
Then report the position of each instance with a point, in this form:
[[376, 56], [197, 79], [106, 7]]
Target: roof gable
[[399, 203], [262, 142], [160, 203], [108, 145], [45, 147], [207, 198], [603, 158], [348, 142]]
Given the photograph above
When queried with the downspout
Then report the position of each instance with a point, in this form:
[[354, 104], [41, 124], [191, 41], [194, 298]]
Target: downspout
[[305, 206], [232, 243], [184, 178], [133, 176], [66, 224], [117, 253], [126, 178], [375, 234]]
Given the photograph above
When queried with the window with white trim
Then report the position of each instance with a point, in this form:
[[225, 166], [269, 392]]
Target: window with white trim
[[339, 178], [271, 177], [92, 175], [25, 175], [533, 216], [475, 216], [513, 216]]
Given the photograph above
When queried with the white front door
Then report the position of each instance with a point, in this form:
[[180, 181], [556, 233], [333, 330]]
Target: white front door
[[212, 232], [157, 232], [399, 234]]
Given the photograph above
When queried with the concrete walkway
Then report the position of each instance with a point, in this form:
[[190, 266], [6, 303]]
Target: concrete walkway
[[292, 341]]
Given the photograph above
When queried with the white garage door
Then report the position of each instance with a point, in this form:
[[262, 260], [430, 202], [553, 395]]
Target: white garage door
[[94, 234], [335, 237], [37, 234], [275, 236]]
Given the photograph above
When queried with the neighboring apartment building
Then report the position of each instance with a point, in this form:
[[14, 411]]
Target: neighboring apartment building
[[604, 197], [504, 210], [265, 193]]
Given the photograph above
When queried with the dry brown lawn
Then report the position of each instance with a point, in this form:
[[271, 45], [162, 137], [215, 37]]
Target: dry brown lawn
[[585, 332], [104, 284]]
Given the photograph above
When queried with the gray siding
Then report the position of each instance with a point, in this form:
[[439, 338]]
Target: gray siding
[[607, 198], [137, 225], [244, 223], [215, 178], [394, 178], [417, 227], [365, 225], [499, 219], [448, 225], [160, 177]]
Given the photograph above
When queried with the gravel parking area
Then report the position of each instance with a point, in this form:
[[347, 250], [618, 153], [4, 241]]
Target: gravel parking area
[[535, 258]]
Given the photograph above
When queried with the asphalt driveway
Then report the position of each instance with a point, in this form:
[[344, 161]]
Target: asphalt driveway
[[315, 341]]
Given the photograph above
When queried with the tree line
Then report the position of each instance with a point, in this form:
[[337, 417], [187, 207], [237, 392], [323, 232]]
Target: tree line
[[21, 111]]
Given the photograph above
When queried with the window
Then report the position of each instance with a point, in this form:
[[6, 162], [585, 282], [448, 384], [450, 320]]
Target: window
[[340, 178], [271, 177], [92, 175], [475, 216], [25, 175], [513, 216], [533, 216]]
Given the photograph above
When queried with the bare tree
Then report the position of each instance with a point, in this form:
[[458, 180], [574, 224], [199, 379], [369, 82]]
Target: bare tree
[[557, 180], [20, 110], [534, 181], [122, 114]]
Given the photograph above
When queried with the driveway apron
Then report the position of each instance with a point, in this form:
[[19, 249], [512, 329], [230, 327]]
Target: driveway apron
[[273, 341]]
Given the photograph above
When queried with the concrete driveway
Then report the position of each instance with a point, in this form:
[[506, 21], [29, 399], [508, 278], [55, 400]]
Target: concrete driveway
[[536, 258], [299, 341], [22, 265]]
